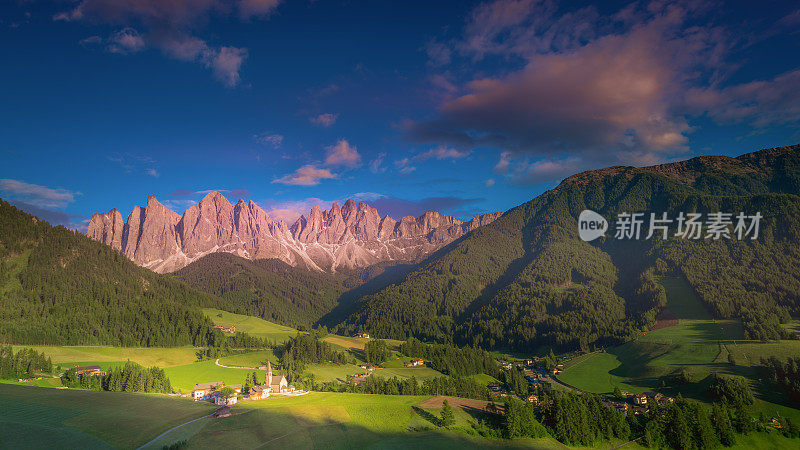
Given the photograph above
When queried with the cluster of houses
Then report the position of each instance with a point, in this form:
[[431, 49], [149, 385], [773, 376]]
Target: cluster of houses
[[214, 391], [224, 329], [637, 403]]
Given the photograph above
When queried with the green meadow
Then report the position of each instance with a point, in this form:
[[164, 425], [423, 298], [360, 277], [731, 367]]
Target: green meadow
[[333, 420], [251, 325], [698, 345], [33, 417], [183, 378], [146, 356]]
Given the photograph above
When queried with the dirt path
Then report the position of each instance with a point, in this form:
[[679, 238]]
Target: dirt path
[[171, 429], [234, 367]]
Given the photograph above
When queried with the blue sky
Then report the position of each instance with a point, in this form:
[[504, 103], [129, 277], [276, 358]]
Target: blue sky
[[461, 107]]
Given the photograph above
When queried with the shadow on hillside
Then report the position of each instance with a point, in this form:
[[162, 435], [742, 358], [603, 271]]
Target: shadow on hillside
[[347, 302], [339, 426]]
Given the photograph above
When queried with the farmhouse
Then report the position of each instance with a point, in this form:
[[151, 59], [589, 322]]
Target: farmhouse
[[415, 362], [362, 335], [224, 329], [89, 370], [206, 391]]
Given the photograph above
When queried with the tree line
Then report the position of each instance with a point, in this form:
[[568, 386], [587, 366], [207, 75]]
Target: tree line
[[25, 363], [131, 377]]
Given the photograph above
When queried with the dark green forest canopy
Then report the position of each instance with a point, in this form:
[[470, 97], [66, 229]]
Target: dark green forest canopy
[[527, 279], [275, 291], [57, 286]]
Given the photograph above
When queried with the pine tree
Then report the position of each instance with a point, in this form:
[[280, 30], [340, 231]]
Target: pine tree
[[447, 417]]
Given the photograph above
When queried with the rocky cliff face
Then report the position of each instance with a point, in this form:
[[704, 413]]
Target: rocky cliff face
[[353, 235]]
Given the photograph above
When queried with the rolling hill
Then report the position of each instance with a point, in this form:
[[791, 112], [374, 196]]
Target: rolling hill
[[58, 286], [527, 279]]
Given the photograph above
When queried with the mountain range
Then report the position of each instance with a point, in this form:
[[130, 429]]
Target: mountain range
[[351, 236], [521, 280]]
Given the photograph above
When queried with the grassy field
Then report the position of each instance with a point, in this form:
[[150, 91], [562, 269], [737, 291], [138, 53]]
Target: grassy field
[[48, 418], [68, 356], [698, 344], [183, 378], [332, 420], [251, 325], [331, 372], [250, 359]]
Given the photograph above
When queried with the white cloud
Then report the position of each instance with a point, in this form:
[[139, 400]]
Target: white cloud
[[376, 165], [34, 194]]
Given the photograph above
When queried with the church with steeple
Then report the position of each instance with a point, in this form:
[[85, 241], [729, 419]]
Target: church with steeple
[[275, 385]]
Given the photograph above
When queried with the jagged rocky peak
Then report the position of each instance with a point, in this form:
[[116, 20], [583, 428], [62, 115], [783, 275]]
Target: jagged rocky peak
[[353, 235]]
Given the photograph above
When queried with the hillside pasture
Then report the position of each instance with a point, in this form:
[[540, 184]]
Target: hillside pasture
[[68, 356], [251, 325], [64, 418], [335, 420], [183, 378]]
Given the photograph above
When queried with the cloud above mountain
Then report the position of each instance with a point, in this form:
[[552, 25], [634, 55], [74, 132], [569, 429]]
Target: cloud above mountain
[[586, 89], [171, 26]]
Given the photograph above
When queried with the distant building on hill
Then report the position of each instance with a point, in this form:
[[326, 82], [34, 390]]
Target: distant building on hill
[[415, 362], [224, 329], [89, 370], [362, 335]]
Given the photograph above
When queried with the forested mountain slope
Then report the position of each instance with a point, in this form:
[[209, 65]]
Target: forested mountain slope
[[276, 291], [60, 287], [528, 279]]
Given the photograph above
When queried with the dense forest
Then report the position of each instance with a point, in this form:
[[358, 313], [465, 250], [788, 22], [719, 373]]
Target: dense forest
[[307, 349], [450, 360], [277, 292], [527, 280], [784, 374], [60, 287], [267, 288]]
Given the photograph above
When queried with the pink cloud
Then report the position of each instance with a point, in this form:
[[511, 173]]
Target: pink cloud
[[125, 41], [324, 120], [342, 154], [307, 175]]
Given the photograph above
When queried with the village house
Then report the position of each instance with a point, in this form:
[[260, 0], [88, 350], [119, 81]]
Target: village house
[[415, 362], [533, 399], [206, 391], [367, 366], [640, 399], [259, 392], [89, 370]]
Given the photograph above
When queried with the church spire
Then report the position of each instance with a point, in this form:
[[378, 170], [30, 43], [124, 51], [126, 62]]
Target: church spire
[[269, 374]]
